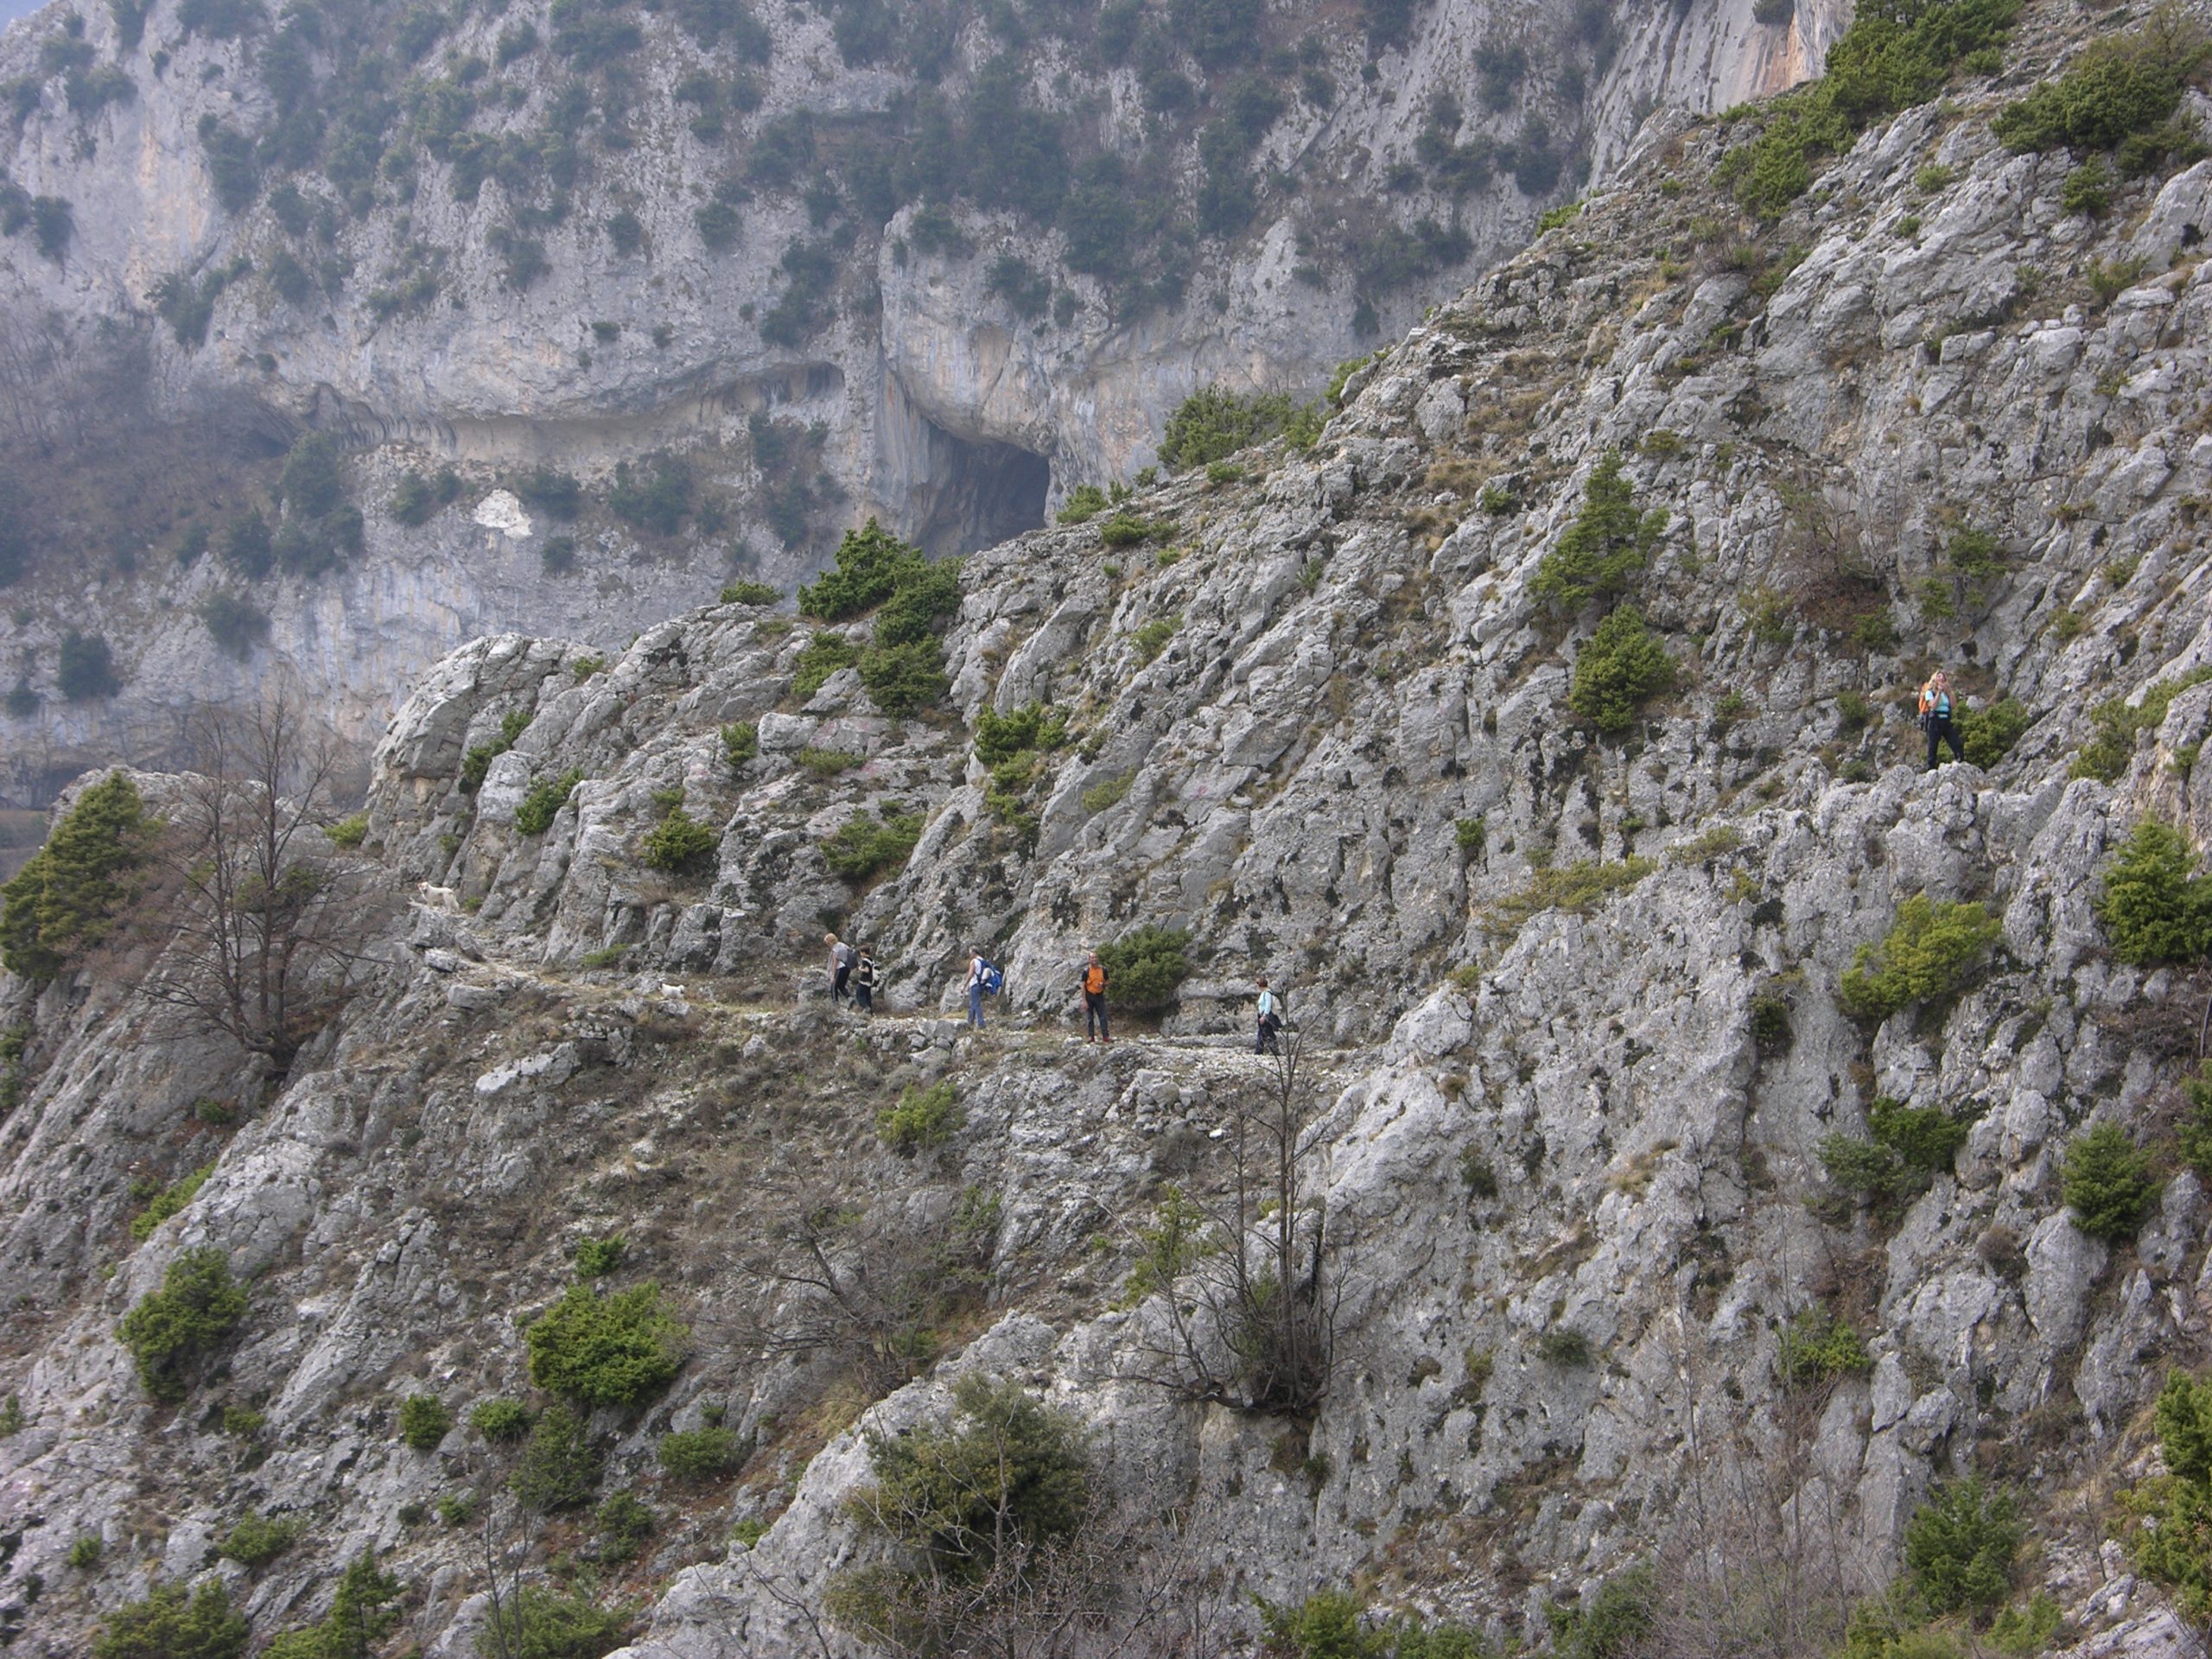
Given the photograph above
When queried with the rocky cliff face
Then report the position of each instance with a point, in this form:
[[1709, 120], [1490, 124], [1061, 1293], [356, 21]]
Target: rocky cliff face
[[507, 242], [1569, 996]]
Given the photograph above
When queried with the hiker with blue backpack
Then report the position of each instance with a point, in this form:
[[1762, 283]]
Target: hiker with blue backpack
[[983, 980], [1271, 1017]]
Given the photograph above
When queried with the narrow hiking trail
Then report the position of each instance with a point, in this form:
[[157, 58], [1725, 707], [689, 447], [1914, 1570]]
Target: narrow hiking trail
[[480, 978]]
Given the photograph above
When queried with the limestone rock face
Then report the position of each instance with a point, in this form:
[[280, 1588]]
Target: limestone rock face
[[940, 409], [1575, 1085]]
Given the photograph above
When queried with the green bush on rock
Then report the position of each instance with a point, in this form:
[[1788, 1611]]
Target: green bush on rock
[[679, 844], [2154, 907], [172, 1622], [1987, 734], [1622, 667], [1606, 549], [1145, 965], [195, 1309], [360, 1617], [559, 1466], [2175, 1511], [2119, 96], [871, 564], [1959, 1546], [500, 1420], [864, 846], [1928, 956], [1895, 55], [2107, 1182], [1214, 422], [546, 799], [423, 1422], [64, 900], [258, 1540], [541, 1622], [923, 1119], [606, 1349], [703, 1453], [1008, 1477]]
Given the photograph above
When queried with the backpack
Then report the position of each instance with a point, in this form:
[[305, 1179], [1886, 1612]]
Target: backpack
[[994, 982]]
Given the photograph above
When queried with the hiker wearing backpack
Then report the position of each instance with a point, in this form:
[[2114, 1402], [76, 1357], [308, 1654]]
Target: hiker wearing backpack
[[1935, 718], [978, 973], [864, 982], [1270, 1020], [1094, 1001], [841, 965]]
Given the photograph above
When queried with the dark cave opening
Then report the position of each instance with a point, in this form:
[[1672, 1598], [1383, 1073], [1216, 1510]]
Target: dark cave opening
[[977, 494]]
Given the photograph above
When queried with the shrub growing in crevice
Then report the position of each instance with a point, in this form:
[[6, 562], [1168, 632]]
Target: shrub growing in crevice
[[2154, 907], [2115, 725], [1930, 954], [968, 1510], [559, 1467], [2173, 1514], [863, 847], [1619, 669], [64, 900], [171, 1331], [904, 667], [1146, 964], [1959, 1546], [2119, 96], [546, 799], [923, 1120], [1606, 549], [2107, 1182], [173, 1623], [679, 844], [1893, 56]]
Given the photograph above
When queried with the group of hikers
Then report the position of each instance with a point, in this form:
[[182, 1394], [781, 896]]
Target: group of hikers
[[853, 973]]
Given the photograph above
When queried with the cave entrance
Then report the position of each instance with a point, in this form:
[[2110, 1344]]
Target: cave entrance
[[977, 494]]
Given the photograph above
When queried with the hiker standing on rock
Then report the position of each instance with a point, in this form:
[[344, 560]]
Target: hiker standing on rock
[[1936, 717], [841, 965], [1094, 1001], [1270, 1020], [864, 982], [975, 969]]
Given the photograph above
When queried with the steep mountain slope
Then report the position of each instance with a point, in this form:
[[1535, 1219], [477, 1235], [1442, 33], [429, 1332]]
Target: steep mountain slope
[[1595, 1114], [938, 264]]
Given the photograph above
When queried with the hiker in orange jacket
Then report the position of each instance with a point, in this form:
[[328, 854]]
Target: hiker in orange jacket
[[1094, 1001]]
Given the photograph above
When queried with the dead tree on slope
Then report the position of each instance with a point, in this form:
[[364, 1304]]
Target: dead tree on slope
[[1252, 1297], [260, 921]]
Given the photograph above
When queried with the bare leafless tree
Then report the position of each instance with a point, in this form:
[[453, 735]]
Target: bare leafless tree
[[1758, 1563], [863, 1287], [260, 923], [1252, 1319], [507, 1534]]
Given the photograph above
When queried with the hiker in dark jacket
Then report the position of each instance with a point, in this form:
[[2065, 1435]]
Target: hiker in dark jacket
[[1936, 717], [1094, 1001], [1270, 1020], [864, 982]]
